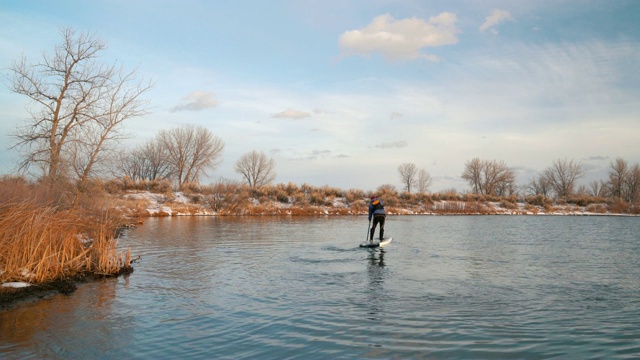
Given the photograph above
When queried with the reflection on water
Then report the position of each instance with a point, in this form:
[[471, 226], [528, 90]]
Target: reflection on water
[[283, 287], [375, 275]]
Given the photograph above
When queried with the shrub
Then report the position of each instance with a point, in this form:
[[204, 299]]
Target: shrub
[[597, 208], [40, 244], [190, 188], [282, 196], [619, 207], [539, 200], [508, 203], [316, 198], [531, 208], [227, 197], [354, 195]]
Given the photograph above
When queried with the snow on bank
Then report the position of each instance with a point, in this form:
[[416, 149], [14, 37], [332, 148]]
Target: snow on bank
[[16, 284], [179, 204], [175, 204]]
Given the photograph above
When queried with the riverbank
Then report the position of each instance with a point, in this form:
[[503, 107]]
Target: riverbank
[[14, 293], [136, 204]]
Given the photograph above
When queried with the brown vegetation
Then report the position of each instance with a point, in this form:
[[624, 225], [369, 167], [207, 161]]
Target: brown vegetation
[[235, 198], [44, 239]]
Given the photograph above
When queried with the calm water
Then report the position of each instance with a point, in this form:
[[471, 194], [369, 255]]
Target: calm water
[[448, 287]]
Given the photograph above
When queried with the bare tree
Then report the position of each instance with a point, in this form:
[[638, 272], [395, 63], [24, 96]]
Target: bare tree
[[489, 177], [632, 184], [148, 161], [78, 107], [424, 181], [539, 186], [256, 168], [617, 175], [191, 150], [153, 159], [597, 188], [473, 174], [408, 173], [562, 176]]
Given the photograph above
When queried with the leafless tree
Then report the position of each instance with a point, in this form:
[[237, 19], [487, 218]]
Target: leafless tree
[[191, 150], [632, 184], [78, 107], [153, 158], [473, 174], [408, 173], [148, 161], [256, 168], [617, 175], [489, 177], [562, 176], [597, 188], [539, 186], [424, 181], [126, 165]]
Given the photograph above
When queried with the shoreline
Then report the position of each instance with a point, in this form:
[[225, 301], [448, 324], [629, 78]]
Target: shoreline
[[14, 296], [141, 204]]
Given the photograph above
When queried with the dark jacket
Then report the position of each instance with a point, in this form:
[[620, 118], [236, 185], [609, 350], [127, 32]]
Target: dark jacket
[[376, 207]]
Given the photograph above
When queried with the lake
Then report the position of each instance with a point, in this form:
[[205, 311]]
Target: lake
[[447, 287]]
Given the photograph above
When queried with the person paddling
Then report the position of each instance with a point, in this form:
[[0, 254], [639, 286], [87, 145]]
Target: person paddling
[[376, 211]]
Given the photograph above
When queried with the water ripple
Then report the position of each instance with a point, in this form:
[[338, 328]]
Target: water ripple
[[448, 288]]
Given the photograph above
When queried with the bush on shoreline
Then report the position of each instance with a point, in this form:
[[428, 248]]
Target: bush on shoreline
[[229, 197], [43, 239]]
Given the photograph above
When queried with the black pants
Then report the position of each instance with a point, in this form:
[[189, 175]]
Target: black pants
[[377, 219]]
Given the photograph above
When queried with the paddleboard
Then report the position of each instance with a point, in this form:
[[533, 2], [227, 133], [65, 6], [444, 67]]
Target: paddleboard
[[377, 243]]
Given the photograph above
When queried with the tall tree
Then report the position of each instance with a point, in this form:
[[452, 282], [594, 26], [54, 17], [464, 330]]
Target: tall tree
[[562, 176], [473, 174], [424, 181], [539, 186], [489, 177], [77, 107], [148, 161], [408, 173], [632, 184], [617, 175], [256, 168], [597, 188], [191, 151]]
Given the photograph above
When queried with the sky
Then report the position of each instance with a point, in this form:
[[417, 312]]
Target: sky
[[340, 93]]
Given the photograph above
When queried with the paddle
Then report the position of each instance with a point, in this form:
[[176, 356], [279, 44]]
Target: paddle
[[368, 227]]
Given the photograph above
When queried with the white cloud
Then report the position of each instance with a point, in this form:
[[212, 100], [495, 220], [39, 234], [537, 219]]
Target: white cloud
[[196, 101], [496, 17], [395, 144], [395, 115], [292, 114], [401, 39]]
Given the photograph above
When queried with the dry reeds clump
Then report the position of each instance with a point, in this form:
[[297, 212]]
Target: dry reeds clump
[[39, 244]]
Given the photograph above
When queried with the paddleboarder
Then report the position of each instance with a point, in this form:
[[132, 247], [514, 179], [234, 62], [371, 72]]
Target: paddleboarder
[[376, 211]]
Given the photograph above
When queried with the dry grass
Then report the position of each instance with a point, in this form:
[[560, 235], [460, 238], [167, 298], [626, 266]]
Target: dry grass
[[43, 238]]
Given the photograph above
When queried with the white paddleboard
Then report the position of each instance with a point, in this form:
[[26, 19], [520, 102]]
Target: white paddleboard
[[377, 243]]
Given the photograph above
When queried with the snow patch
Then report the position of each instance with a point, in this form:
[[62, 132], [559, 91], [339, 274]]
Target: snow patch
[[16, 284]]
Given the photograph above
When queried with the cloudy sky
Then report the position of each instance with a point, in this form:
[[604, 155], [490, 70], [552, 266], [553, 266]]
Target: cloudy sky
[[341, 93]]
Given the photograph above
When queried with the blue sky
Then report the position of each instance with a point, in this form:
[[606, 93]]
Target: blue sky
[[340, 93]]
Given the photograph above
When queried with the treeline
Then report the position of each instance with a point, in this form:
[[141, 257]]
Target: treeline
[[558, 181]]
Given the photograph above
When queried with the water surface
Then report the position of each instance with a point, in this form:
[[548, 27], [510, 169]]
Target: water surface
[[448, 287]]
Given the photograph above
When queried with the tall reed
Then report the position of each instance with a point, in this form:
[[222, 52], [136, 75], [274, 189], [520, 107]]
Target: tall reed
[[40, 244]]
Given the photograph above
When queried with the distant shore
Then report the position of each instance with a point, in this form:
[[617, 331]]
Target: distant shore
[[150, 204]]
